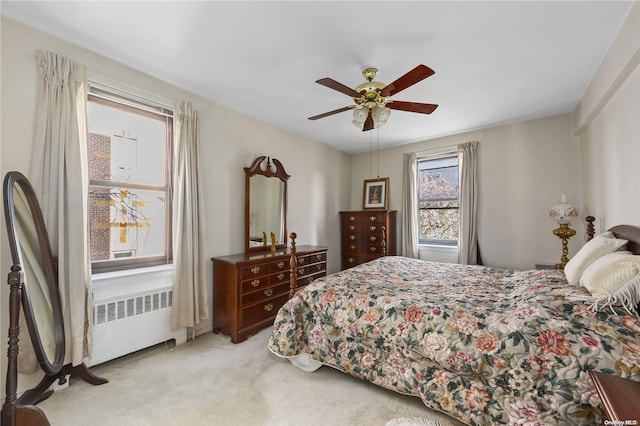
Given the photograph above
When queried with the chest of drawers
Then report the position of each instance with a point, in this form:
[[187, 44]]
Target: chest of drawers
[[249, 289], [362, 237]]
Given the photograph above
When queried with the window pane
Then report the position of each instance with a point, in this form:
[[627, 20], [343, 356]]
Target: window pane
[[126, 222], [125, 147], [440, 224]]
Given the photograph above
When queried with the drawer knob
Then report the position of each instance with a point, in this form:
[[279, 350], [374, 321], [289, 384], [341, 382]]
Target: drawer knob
[[280, 265], [373, 238], [268, 292], [301, 260], [319, 256], [373, 249], [352, 246], [372, 218], [280, 276], [373, 228], [353, 237], [318, 267], [300, 271], [268, 307], [352, 218], [352, 227], [350, 259], [255, 269], [255, 283]]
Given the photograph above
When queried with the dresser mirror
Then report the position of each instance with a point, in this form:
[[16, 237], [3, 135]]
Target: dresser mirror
[[265, 205]]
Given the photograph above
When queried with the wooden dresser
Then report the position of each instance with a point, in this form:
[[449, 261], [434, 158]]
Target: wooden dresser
[[362, 235], [249, 289]]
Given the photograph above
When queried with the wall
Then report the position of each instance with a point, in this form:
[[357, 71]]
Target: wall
[[523, 169], [318, 187], [608, 125]]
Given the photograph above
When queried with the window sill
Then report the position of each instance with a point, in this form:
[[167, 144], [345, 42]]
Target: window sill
[[130, 272], [439, 246]]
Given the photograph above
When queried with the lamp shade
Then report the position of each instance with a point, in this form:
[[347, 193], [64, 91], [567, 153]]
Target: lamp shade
[[563, 212]]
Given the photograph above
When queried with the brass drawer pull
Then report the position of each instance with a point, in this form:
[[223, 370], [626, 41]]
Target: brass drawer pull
[[255, 283], [280, 276], [280, 265], [301, 271], [373, 228], [301, 260], [255, 269], [318, 267], [372, 218], [268, 307], [352, 246], [352, 227], [373, 238], [319, 256], [373, 249], [350, 259], [352, 218], [353, 237], [268, 292]]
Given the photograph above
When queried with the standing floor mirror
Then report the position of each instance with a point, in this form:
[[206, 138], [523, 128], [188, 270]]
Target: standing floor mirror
[[33, 285]]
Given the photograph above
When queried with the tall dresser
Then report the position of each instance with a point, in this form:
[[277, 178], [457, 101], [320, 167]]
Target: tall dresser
[[249, 289], [362, 237]]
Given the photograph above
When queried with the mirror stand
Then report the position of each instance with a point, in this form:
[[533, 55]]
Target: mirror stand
[[33, 286]]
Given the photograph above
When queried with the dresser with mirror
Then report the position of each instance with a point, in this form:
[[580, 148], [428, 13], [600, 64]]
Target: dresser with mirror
[[250, 287]]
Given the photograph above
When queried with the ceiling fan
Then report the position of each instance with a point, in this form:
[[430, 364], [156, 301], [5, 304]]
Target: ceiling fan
[[372, 104]]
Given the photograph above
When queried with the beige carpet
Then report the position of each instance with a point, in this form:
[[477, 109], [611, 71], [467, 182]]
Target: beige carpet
[[210, 381]]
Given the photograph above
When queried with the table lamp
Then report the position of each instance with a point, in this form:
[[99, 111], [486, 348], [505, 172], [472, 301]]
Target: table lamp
[[563, 213]]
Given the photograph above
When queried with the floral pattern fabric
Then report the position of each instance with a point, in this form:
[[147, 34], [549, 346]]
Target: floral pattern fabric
[[486, 346]]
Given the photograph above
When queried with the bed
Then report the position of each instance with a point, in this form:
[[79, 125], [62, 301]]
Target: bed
[[483, 345]]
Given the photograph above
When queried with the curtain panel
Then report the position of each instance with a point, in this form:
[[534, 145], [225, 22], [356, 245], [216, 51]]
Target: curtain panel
[[410, 225], [190, 297], [468, 253], [59, 176]]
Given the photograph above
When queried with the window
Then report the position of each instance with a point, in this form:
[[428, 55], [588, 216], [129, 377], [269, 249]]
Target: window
[[129, 146], [438, 200]]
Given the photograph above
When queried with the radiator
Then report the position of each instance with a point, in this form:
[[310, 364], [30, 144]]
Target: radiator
[[131, 311]]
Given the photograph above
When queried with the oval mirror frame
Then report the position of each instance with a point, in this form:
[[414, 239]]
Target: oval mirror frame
[[272, 169], [14, 182]]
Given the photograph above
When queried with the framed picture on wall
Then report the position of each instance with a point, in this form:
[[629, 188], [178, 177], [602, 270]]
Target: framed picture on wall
[[376, 194]]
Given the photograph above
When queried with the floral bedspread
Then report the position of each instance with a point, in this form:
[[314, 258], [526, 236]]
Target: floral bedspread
[[484, 345]]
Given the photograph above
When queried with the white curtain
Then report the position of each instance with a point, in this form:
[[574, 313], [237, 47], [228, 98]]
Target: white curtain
[[468, 239], [190, 303], [59, 177], [410, 206]]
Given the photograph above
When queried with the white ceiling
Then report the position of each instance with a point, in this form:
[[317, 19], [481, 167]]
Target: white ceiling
[[495, 62]]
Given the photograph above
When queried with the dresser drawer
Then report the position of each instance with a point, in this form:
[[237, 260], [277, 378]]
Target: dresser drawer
[[255, 283], [279, 277], [280, 265], [319, 257], [254, 270], [264, 294], [263, 310]]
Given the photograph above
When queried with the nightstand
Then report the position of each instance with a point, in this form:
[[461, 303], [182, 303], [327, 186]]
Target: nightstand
[[620, 397]]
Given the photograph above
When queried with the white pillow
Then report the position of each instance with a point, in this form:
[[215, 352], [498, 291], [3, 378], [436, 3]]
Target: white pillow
[[595, 248], [610, 272]]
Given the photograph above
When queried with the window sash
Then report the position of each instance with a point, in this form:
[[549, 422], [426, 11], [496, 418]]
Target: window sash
[[439, 158], [132, 106]]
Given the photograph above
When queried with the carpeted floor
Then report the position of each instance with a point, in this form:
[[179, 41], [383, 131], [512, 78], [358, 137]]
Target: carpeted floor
[[210, 381]]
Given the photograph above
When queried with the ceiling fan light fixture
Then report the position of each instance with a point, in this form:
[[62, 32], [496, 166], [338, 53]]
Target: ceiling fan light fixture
[[380, 116]]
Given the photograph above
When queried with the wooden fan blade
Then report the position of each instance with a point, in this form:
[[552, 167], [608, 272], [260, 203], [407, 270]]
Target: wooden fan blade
[[335, 111], [332, 84], [417, 74], [412, 107], [368, 123]]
